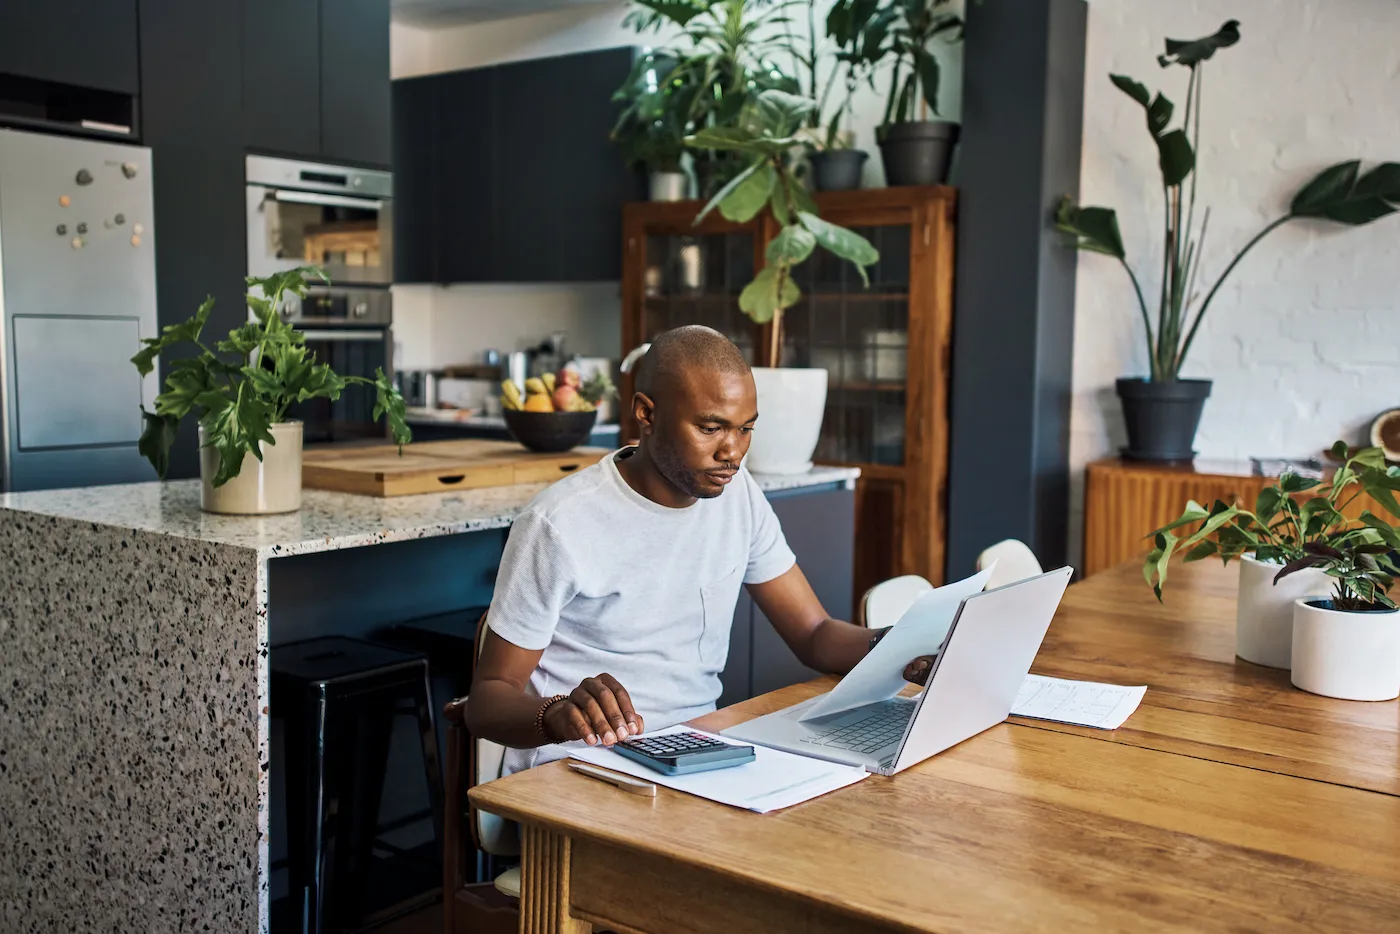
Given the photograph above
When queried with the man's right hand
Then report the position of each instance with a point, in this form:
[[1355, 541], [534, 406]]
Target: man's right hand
[[598, 710]]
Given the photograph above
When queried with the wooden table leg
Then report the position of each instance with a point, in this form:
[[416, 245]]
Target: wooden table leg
[[544, 884]]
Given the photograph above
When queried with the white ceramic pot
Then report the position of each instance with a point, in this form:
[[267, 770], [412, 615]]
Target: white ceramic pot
[[669, 186], [262, 487], [1354, 656], [791, 403], [1264, 610]]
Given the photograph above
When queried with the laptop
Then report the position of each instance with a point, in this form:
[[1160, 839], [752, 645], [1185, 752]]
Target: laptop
[[976, 676]]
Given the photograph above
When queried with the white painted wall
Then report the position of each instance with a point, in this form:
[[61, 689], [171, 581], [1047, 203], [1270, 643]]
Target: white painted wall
[[1303, 342], [437, 326]]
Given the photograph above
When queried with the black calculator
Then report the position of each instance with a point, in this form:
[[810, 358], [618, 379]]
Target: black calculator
[[683, 753]]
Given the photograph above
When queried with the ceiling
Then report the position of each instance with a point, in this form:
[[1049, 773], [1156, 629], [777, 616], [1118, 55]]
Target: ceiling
[[453, 12]]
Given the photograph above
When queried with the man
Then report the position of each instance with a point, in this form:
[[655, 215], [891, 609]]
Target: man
[[617, 588]]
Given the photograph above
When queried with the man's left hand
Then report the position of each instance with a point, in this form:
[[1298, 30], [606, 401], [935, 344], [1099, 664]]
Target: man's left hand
[[917, 670]]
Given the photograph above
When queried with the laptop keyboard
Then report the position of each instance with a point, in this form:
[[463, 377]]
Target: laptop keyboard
[[882, 725]]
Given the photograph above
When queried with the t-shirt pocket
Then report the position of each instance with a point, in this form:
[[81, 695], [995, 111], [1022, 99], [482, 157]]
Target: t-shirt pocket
[[718, 600]]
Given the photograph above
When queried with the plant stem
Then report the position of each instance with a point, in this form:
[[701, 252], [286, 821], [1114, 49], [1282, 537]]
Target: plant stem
[[1146, 321], [1166, 278], [1191, 335]]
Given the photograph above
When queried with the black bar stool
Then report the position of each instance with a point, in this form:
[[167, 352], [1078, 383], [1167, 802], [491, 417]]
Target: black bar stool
[[339, 699]]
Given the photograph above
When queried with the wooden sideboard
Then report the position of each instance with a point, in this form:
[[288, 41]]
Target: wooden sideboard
[[1125, 501]]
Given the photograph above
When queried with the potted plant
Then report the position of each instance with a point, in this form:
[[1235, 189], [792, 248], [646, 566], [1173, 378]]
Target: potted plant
[[1163, 410], [723, 54], [792, 400], [239, 391], [1288, 517], [916, 150], [651, 128], [1348, 645]]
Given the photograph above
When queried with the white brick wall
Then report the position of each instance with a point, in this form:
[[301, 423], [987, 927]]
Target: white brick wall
[[1303, 341]]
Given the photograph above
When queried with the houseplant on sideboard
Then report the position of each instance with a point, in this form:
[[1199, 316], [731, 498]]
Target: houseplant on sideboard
[[916, 150], [239, 391], [1163, 410], [791, 400], [1288, 518], [650, 131]]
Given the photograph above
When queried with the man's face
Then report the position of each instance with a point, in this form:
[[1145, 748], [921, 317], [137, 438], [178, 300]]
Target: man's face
[[701, 430]]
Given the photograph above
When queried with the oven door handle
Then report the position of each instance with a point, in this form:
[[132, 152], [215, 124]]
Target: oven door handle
[[334, 201], [346, 335]]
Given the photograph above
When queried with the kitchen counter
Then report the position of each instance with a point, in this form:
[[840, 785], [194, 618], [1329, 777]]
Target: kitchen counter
[[135, 717]]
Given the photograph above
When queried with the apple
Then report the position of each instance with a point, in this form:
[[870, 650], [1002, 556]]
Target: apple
[[568, 376], [564, 395]]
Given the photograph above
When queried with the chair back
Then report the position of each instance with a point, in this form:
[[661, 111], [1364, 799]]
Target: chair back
[[1014, 561], [887, 601]]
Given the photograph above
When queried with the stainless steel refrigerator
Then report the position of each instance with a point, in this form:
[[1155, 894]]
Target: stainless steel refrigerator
[[77, 295]]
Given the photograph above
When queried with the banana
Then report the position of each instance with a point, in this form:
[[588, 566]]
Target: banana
[[510, 395], [533, 386], [548, 380]]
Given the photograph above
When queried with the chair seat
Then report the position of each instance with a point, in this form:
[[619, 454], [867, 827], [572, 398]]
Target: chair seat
[[508, 882]]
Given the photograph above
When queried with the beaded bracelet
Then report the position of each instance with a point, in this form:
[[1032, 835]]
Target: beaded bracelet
[[539, 717]]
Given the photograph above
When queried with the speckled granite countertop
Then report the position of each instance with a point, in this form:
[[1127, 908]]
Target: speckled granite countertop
[[326, 521]]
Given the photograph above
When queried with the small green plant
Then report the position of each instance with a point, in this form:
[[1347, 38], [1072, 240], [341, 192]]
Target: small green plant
[[854, 45], [243, 385], [764, 137], [1362, 569], [1294, 520], [1339, 194], [917, 75]]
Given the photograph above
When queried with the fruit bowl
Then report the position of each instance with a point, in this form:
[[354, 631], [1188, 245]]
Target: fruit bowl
[[550, 432]]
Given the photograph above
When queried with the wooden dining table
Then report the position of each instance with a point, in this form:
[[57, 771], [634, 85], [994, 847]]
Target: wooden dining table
[[1229, 802]]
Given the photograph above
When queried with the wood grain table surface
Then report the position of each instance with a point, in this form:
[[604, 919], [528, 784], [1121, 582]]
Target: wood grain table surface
[[1228, 802]]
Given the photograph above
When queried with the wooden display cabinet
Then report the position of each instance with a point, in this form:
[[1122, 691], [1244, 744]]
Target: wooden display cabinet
[[886, 348]]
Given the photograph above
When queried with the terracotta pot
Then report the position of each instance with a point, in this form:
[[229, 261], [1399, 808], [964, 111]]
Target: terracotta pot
[[263, 487]]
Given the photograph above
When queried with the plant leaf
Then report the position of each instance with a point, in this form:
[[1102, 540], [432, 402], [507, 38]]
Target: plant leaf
[[1293, 483], [1175, 157], [768, 294], [157, 436], [1094, 229], [1133, 89], [728, 188], [928, 76], [793, 244], [1308, 561], [186, 331], [1337, 194], [1191, 52], [724, 138], [747, 198], [388, 401], [1159, 114], [1201, 550], [841, 242]]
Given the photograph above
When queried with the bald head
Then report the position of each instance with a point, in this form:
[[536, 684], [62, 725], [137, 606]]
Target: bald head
[[693, 350]]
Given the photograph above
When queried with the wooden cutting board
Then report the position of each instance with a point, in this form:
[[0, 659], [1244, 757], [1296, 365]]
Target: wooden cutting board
[[436, 467]]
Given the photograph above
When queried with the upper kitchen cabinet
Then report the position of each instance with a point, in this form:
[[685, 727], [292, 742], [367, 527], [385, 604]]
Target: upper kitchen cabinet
[[527, 185], [316, 79], [85, 43]]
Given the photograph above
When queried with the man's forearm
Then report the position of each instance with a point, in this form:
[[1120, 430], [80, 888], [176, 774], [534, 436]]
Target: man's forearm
[[502, 713], [836, 646]]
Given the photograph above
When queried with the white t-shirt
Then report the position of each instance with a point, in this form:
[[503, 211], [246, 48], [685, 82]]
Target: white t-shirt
[[605, 580]]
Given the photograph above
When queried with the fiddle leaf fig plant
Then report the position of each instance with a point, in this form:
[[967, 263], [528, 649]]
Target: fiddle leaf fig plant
[[245, 383], [1295, 523], [765, 138], [1341, 194]]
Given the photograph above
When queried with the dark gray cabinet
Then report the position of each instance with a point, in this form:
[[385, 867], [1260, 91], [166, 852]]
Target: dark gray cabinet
[[316, 79], [415, 161], [528, 186], [820, 528], [85, 43]]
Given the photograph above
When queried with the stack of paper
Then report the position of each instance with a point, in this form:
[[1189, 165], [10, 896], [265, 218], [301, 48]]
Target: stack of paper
[[1085, 703], [774, 780]]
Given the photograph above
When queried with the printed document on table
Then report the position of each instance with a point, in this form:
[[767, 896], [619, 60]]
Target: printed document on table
[[920, 631], [1085, 703], [772, 781]]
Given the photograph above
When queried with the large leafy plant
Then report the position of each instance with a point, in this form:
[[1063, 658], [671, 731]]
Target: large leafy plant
[[1340, 194], [1293, 523], [245, 383], [916, 77], [847, 56], [764, 137]]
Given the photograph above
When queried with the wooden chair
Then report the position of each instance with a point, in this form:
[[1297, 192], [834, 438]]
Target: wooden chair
[[886, 602], [1014, 560], [485, 832]]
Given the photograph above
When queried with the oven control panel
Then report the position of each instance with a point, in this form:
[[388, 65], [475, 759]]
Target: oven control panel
[[334, 307]]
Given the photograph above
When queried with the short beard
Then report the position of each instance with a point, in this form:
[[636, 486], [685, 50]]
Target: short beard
[[669, 465]]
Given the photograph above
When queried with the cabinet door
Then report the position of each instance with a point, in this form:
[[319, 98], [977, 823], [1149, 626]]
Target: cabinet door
[[282, 76], [355, 81], [465, 176], [417, 195], [533, 169], [87, 43]]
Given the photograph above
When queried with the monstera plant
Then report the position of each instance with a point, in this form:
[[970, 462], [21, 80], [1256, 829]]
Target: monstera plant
[[1163, 410]]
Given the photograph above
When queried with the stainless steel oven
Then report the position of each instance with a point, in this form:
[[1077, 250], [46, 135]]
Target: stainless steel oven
[[351, 329], [338, 218]]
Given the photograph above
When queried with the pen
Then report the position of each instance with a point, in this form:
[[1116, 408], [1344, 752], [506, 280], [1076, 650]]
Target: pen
[[627, 783]]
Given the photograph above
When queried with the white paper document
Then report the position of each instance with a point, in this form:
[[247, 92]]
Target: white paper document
[[920, 631], [1084, 703], [774, 780]]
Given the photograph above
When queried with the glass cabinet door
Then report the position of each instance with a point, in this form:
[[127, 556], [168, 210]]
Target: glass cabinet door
[[860, 337], [696, 279]]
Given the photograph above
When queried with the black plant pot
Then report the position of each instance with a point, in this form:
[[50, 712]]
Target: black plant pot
[[1162, 418], [837, 169], [917, 153]]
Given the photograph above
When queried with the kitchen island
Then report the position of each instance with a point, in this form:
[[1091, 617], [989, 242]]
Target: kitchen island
[[134, 680]]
